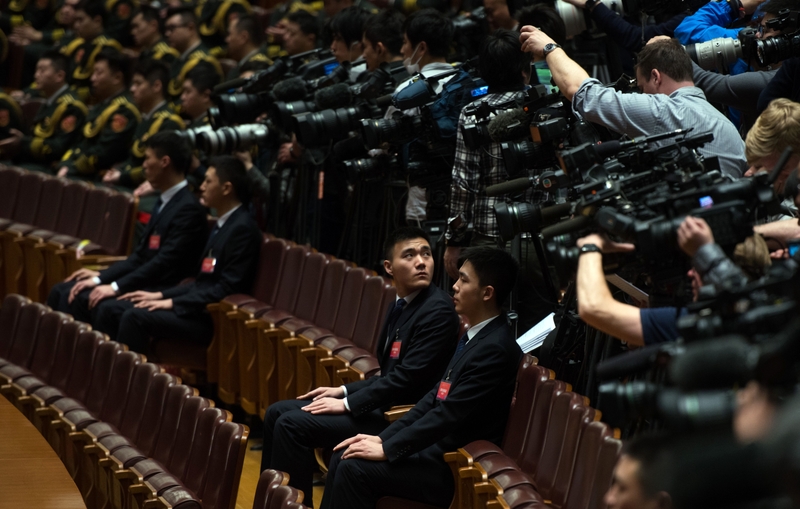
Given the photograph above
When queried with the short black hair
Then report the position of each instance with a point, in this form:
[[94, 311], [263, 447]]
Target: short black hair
[[401, 235], [117, 62], [203, 77], [148, 13], [306, 21], [174, 146], [431, 26], [502, 61], [386, 27], [58, 60], [349, 24], [669, 57], [153, 70], [251, 25], [775, 6], [186, 13], [647, 450], [494, 267], [546, 19], [230, 169], [93, 8]]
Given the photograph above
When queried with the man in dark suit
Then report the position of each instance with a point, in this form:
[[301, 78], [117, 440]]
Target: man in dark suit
[[470, 402], [176, 232], [227, 266], [416, 342]]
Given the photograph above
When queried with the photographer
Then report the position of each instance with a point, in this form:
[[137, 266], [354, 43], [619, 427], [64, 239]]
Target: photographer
[[383, 40], [302, 32], [506, 70], [785, 83], [670, 99], [598, 308], [347, 28]]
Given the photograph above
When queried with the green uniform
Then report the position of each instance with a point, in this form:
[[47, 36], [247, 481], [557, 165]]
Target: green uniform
[[36, 13], [160, 51], [256, 56], [161, 119], [214, 16], [83, 62], [107, 137], [118, 21], [185, 63], [57, 127], [10, 115]]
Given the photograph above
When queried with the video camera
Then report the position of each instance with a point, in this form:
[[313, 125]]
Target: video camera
[[781, 47]]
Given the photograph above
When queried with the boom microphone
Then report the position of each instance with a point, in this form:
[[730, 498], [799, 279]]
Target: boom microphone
[[570, 225], [635, 362], [510, 186], [291, 89], [714, 364], [509, 126], [230, 85], [335, 96]]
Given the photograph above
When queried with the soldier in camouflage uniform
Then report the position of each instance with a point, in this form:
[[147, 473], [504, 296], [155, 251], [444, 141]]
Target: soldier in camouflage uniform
[[90, 18], [110, 124], [147, 34], [245, 36], [150, 78], [181, 30]]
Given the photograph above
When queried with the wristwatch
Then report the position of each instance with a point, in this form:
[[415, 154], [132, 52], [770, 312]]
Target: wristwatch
[[549, 48], [589, 248], [589, 5]]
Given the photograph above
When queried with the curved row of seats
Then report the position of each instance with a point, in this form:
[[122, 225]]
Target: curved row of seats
[[50, 227], [131, 435]]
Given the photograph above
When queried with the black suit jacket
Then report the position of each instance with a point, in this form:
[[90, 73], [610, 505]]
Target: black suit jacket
[[481, 380], [236, 248], [183, 229], [427, 330]]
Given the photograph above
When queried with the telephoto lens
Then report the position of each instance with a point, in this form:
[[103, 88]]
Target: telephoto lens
[[717, 54]]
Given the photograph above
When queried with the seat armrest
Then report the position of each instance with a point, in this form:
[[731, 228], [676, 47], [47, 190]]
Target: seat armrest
[[397, 412]]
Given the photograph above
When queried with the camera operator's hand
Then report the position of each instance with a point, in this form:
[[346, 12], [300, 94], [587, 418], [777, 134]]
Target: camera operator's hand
[[112, 176], [144, 189], [245, 157], [693, 234], [533, 41], [451, 255], [605, 244], [290, 152]]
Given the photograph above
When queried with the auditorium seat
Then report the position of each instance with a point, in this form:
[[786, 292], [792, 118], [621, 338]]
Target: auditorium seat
[[285, 497], [268, 482], [9, 317], [28, 192], [18, 350], [358, 369], [586, 471], [40, 350], [9, 187], [265, 290]]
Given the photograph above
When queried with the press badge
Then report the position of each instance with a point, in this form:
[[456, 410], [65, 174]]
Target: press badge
[[208, 265], [395, 352], [155, 241], [444, 388]]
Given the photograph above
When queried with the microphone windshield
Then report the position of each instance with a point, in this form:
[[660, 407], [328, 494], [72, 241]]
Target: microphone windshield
[[335, 96], [288, 90], [509, 126]]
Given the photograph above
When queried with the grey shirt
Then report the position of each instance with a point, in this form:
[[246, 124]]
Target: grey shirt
[[646, 114], [740, 91]]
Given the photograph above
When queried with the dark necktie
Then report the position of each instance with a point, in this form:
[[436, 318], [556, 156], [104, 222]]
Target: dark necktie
[[211, 236], [156, 210], [393, 317], [461, 344]]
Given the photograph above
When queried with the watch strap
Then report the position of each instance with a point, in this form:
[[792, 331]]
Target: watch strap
[[589, 248]]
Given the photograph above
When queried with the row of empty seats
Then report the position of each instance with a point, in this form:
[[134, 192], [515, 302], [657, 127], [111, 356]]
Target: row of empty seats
[[131, 435], [50, 227]]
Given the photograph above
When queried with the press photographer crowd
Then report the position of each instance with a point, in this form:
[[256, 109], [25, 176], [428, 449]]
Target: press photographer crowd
[[626, 172]]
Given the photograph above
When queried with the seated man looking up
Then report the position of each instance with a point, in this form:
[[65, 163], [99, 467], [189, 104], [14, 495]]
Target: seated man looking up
[[227, 266], [175, 233], [470, 402], [670, 100], [416, 342]]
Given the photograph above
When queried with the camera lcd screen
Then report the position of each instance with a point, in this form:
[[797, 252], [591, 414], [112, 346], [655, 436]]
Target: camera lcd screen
[[480, 91], [793, 247], [706, 202], [330, 67]]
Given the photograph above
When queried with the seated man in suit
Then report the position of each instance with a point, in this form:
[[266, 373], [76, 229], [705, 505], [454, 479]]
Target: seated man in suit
[[176, 232], [228, 266], [416, 342], [470, 402]]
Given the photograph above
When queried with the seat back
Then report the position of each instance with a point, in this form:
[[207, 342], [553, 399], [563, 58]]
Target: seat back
[[532, 452], [267, 483], [286, 497], [604, 473], [310, 284], [187, 428], [530, 377], [370, 313], [270, 262], [115, 398], [331, 293], [94, 213], [48, 338], [81, 372], [73, 202], [138, 394], [170, 417], [30, 190], [115, 236], [293, 263], [58, 372], [102, 368], [225, 466], [9, 189], [9, 318], [389, 299], [579, 418], [210, 421], [26, 333], [153, 411], [556, 440], [50, 203], [581, 489]]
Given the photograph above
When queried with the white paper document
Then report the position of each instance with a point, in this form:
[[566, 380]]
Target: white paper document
[[534, 338]]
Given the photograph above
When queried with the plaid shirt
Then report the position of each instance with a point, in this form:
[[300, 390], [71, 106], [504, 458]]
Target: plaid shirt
[[475, 170]]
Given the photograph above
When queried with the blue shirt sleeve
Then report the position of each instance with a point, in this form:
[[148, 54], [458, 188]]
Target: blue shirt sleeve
[[707, 23], [660, 325], [628, 35]]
